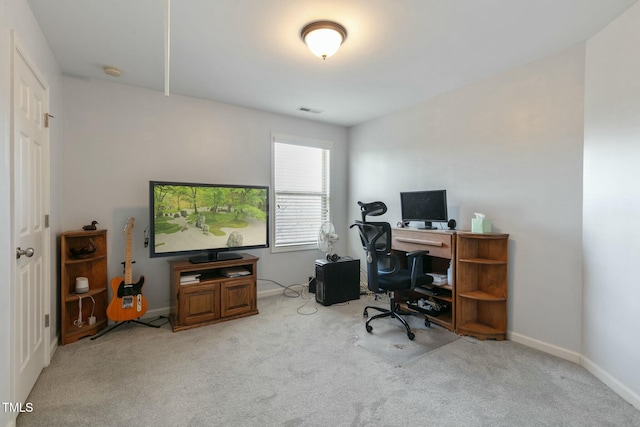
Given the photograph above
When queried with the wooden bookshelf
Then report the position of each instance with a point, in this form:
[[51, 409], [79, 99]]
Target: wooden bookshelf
[[82, 254], [481, 299]]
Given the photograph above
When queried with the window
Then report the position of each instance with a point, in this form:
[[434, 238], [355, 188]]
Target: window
[[301, 169]]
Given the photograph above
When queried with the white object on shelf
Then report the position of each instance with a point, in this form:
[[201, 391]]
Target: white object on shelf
[[82, 285], [190, 278], [439, 279], [235, 272]]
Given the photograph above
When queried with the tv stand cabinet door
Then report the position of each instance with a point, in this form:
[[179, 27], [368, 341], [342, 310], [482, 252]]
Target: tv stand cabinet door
[[238, 297], [199, 303]]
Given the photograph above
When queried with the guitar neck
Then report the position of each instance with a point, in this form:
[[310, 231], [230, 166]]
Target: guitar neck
[[128, 273]]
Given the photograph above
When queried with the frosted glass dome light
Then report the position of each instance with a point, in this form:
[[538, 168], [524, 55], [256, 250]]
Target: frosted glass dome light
[[323, 37]]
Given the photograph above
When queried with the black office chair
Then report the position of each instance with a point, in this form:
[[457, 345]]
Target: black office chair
[[384, 272]]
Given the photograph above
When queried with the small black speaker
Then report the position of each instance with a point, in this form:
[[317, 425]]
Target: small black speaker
[[333, 257], [452, 224]]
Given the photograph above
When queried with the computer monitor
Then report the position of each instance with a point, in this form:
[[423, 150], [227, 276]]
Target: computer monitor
[[424, 206]]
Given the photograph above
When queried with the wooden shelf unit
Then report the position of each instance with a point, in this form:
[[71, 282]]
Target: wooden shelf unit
[[93, 266], [441, 245], [215, 298], [482, 283]]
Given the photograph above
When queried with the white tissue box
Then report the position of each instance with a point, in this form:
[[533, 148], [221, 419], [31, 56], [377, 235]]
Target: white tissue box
[[480, 225]]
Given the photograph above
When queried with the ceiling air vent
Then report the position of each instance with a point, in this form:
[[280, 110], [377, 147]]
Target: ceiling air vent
[[309, 110]]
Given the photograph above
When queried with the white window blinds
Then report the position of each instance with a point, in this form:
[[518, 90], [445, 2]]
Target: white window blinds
[[301, 188]]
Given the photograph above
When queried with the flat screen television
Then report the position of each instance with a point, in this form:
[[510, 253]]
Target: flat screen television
[[207, 221], [424, 206]]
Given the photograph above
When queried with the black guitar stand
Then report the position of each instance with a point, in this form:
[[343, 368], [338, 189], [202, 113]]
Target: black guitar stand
[[118, 324], [128, 291]]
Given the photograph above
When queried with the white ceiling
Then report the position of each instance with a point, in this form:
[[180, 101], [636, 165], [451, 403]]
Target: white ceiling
[[249, 53]]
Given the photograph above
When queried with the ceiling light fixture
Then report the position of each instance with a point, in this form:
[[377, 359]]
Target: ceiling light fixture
[[323, 37], [112, 71]]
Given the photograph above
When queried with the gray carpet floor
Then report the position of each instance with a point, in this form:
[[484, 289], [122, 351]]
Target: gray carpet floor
[[299, 363]]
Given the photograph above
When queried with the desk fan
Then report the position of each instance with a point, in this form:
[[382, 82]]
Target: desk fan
[[326, 237]]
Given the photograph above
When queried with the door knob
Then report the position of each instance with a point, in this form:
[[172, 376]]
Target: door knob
[[28, 252]]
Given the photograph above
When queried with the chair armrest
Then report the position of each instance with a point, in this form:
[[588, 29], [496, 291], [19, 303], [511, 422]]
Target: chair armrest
[[417, 253], [415, 259]]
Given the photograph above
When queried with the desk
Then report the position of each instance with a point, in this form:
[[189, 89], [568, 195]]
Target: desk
[[441, 245], [477, 293]]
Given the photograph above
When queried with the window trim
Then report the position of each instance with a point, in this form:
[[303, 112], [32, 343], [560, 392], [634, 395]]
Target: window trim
[[305, 142]]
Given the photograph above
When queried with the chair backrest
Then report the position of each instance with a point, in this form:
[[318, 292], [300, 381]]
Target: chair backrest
[[376, 241], [372, 208]]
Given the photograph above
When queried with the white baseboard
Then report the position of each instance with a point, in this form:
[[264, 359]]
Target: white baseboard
[[150, 314], [560, 352], [269, 292], [572, 356], [301, 287], [53, 347], [611, 382], [164, 311]]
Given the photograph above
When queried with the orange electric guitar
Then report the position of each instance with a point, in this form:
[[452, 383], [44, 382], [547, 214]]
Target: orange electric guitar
[[127, 302]]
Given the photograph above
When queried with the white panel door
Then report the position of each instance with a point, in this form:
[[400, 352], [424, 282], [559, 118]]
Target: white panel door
[[30, 199]]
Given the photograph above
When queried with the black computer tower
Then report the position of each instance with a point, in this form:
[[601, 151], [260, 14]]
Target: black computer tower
[[337, 281]]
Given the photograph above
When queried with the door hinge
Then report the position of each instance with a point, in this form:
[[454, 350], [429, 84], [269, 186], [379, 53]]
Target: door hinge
[[46, 221], [46, 119], [46, 320]]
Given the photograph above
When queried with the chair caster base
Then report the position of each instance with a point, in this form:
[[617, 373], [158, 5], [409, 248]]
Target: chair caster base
[[394, 311]]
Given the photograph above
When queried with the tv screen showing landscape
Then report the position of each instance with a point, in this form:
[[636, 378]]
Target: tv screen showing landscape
[[188, 217]]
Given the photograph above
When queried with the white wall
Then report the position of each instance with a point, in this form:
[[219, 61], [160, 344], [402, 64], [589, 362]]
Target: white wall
[[612, 205], [510, 147], [16, 15], [118, 137]]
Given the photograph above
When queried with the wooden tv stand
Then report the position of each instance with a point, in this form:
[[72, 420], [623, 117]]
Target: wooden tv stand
[[215, 297]]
